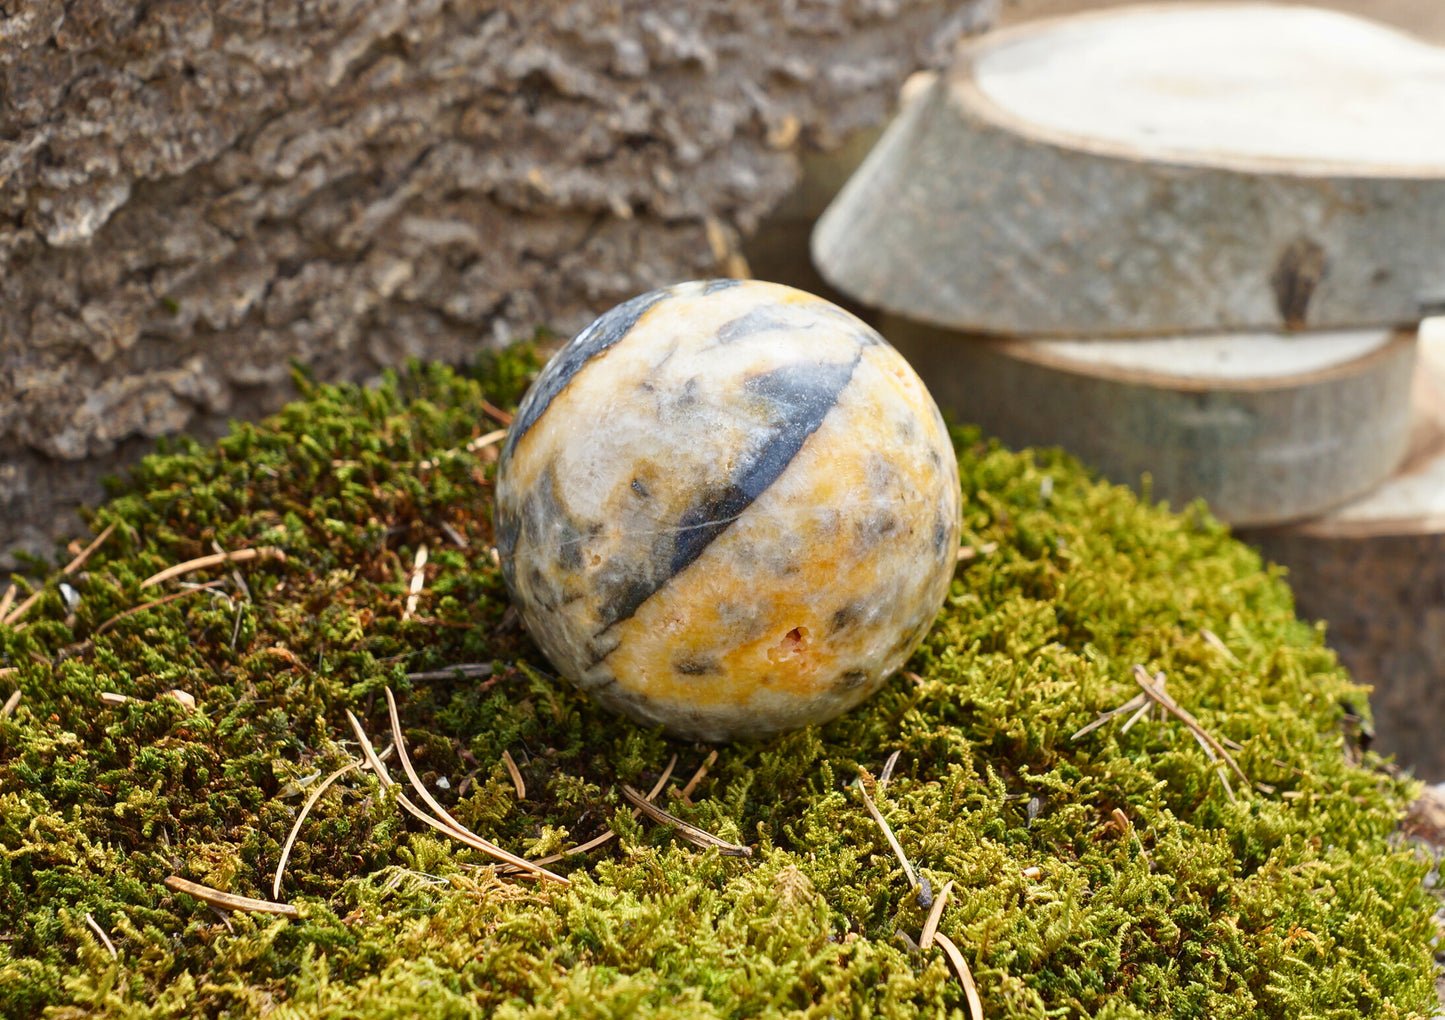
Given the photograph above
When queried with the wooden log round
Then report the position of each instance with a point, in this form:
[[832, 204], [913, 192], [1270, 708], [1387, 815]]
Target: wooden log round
[[1148, 171], [1266, 429], [1374, 570]]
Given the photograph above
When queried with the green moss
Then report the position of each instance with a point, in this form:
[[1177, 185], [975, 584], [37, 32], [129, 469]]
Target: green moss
[[1289, 904]]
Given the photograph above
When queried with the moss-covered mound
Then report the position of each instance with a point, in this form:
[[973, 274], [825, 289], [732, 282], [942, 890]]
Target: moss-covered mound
[[1108, 876]]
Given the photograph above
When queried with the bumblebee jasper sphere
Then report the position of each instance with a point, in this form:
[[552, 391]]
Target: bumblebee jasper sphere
[[729, 508]]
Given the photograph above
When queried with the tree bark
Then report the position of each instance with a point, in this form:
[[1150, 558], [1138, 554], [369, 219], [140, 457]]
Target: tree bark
[[194, 195], [1383, 598]]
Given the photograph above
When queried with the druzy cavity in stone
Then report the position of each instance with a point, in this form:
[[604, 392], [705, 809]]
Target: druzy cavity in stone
[[729, 508]]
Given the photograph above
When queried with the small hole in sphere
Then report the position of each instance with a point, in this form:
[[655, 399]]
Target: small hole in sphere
[[793, 644]]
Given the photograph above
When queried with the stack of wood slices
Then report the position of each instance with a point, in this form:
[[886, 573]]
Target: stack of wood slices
[[1194, 244]]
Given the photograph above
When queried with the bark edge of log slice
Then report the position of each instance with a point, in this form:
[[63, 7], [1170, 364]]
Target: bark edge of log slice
[[1374, 571], [1412, 500], [982, 220], [1261, 449]]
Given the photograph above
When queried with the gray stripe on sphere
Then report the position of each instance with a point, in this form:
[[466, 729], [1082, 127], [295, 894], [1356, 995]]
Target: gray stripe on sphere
[[759, 320], [604, 333], [798, 398]]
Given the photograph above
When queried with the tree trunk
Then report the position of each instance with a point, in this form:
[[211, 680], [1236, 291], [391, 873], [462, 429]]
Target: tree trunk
[[194, 195]]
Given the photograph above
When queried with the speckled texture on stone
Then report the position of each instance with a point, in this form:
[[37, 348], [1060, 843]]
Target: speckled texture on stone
[[195, 193], [729, 508]]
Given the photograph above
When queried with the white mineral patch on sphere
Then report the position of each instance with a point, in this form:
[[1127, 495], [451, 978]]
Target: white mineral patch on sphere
[[729, 508]]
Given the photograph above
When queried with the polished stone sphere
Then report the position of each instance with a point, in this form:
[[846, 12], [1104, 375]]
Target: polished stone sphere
[[729, 508]]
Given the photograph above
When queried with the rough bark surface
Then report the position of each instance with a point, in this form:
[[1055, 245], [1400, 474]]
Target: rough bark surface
[[1374, 570], [1384, 598], [195, 194]]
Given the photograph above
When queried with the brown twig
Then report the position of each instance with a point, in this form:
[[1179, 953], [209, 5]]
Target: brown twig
[[95, 927], [460, 835], [95, 544], [301, 817], [610, 834], [887, 773], [1138, 701], [418, 578], [930, 925], [1211, 746], [968, 552], [965, 976], [241, 585], [496, 412], [19, 611], [186, 698], [443, 821], [7, 600], [260, 552], [1143, 711], [697, 777], [516, 775], [908, 871], [228, 901], [479, 443], [206, 586], [688, 831], [581, 848], [466, 670], [11, 703], [1214, 641], [662, 780]]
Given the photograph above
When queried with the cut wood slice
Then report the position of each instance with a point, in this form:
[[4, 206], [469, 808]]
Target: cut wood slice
[[1412, 500], [1158, 170], [1374, 570], [1265, 428]]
